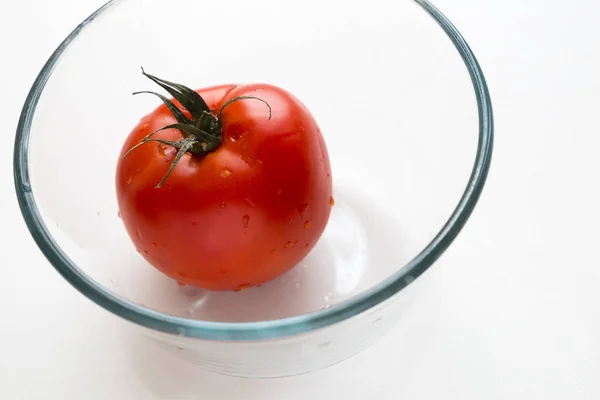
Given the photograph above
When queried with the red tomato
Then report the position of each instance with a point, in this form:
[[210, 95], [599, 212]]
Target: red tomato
[[242, 205]]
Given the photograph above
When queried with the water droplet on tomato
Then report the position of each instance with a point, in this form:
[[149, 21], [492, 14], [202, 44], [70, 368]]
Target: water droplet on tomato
[[223, 271], [272, 251], [303, 209], [249, 202], [259, 162], [154, 244], [307, 225], [245, 220], [132, 177], [138, 250], [328, 175], [237, 135], [242, 287], [119, 214], [223, 205], [301, 129], [194, 223], [331, 201], [226, 173], [307, 245], [146, 252], [180, 284], [290, 220], [295, 242], [168, 152], [279, 192], [288, 244]]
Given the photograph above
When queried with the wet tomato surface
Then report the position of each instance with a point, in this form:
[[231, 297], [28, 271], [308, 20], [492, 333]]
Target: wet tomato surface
[[234, 192]]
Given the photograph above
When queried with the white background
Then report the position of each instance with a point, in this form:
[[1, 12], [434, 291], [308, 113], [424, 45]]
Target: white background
[[517, 311]]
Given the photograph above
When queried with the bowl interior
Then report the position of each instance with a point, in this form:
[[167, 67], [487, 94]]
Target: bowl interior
[[386, 85]]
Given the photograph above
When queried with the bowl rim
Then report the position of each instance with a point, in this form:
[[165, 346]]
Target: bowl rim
[[261, 329]]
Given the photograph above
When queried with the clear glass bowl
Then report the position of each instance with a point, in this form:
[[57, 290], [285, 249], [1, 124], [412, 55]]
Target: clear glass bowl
[[409, 140]]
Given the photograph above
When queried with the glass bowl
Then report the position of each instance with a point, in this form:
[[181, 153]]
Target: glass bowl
[[409, 141]]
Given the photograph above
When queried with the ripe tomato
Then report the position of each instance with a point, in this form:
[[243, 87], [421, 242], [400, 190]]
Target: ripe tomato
[[249, 190]]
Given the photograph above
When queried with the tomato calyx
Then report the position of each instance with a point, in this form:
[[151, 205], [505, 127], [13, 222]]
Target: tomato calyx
[[202, 133]]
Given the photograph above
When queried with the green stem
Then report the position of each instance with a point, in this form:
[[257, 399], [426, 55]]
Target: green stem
[[202, 133], [184, 147], [243, 98]]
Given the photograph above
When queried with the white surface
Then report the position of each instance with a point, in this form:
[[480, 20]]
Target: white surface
[[516, 310]]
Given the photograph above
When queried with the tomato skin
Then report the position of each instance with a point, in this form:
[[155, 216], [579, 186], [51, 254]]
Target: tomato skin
[[243, 214]]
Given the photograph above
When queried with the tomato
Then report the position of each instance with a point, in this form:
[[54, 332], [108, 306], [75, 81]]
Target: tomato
[[249, 192]]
